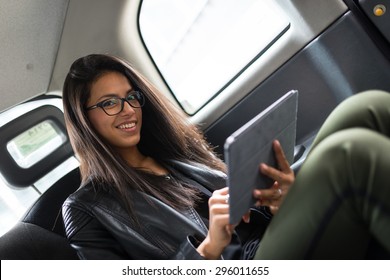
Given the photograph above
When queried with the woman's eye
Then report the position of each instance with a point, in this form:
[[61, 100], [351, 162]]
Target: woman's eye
[[130, 97], [109, 103]]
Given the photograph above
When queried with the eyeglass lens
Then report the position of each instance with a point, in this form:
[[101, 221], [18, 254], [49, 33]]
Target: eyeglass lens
[[115, 105]]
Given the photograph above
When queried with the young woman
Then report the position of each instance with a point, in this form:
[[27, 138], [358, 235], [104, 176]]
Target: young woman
[[152, 188]]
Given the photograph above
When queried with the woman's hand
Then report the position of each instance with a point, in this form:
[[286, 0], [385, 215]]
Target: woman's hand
[[284, 178], [220, 231]]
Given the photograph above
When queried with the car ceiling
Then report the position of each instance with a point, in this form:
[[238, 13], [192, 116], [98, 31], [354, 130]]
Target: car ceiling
[[30, 33]]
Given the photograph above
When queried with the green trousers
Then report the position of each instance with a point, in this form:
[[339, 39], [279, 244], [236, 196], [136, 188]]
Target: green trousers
[[339, 205]]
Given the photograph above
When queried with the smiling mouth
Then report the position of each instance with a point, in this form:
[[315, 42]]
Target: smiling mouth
[[126, 125]]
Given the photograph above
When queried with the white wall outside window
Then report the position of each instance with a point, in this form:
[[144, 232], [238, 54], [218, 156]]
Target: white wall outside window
[[199, 46]]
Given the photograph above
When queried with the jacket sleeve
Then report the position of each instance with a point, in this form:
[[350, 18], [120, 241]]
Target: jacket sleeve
[[93, 241], [187, 250], [88, 237]]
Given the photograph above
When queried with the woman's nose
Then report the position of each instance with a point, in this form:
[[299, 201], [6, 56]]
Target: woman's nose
[[127, 108]]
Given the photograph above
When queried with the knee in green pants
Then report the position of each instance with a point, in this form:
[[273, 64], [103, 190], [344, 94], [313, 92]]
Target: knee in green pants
[[340, 200]]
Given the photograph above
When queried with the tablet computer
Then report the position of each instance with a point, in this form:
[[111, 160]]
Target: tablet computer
[[251, 145]]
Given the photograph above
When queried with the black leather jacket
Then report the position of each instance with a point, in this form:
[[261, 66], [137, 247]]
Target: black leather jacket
[[99, 227]]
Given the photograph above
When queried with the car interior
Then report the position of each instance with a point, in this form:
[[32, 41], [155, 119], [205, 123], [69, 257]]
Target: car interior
[[326, 50]]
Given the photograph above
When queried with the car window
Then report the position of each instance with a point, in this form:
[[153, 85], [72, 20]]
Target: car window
[[200, 46], [35, 143]]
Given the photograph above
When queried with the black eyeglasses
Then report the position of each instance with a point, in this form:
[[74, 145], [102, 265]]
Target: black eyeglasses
[[114, 105]]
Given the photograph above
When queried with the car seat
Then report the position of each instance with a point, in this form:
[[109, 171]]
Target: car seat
[[40, 232]]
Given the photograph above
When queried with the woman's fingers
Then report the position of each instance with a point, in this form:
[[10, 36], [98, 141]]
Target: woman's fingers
[[220, 231], [272, 173], [220, 196], [246, 217], [281, 159], [219, 207], [268, 197]]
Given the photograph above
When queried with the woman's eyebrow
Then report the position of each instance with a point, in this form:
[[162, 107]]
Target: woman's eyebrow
[[110, 95], [107, 95]]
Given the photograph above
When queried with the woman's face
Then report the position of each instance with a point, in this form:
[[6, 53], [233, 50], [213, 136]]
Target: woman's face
[[122, 131]]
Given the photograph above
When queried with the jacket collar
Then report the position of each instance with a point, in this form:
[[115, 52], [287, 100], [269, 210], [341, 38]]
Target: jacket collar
[[210, 178]]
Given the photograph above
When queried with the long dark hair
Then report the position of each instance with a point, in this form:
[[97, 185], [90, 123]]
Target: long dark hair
[[166, 134]]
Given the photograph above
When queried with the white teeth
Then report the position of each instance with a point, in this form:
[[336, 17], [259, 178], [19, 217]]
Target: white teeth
[[126, 126]]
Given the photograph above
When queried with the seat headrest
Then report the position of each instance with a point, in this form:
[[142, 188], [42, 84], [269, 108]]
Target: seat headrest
[[32, 145]]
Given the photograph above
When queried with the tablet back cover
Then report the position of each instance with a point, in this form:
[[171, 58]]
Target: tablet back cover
[[251, 145]]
